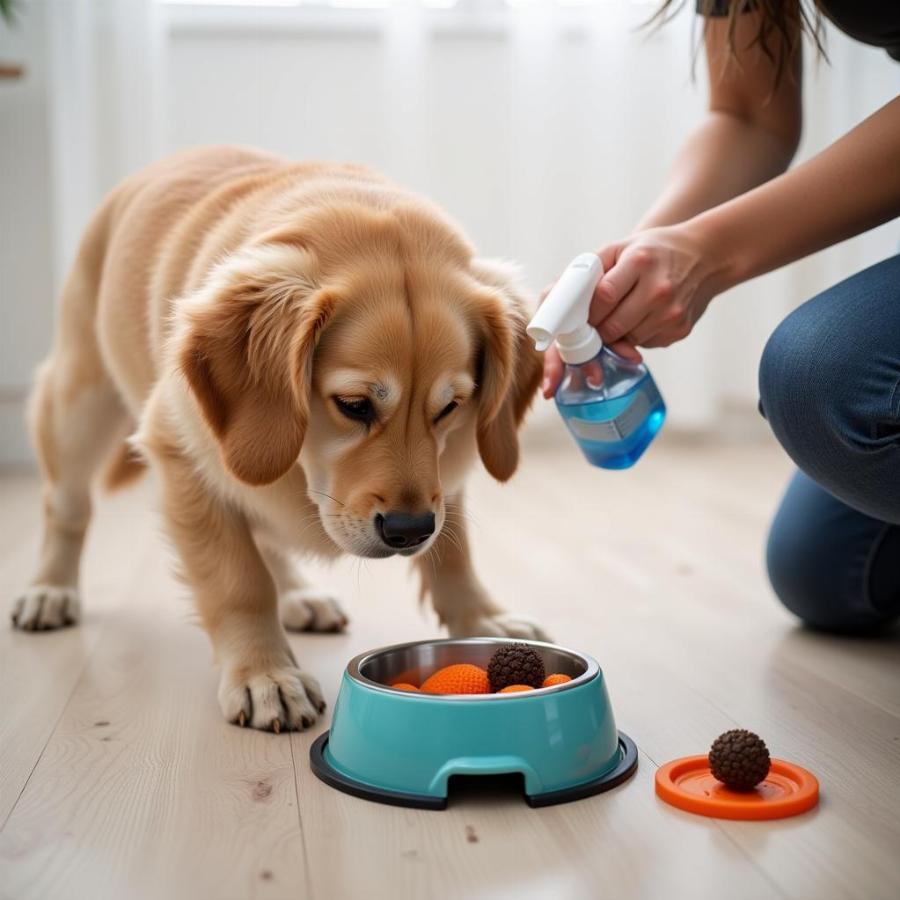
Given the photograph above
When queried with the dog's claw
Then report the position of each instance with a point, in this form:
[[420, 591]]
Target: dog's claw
[[277, 700], [45, 608]]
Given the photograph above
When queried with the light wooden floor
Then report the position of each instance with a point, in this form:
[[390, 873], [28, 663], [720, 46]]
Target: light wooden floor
[[119, 779]]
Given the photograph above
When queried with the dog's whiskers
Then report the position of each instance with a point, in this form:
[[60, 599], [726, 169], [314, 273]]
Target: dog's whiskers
[[461, 514], [451, 536], [359, 565], [339, 503]]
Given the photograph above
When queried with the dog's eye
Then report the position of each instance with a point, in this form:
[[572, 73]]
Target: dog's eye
[[446, 411], [359, 409]]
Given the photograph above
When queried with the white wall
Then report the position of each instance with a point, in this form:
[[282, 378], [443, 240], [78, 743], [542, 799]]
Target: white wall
[[543, 131], [26, 234]]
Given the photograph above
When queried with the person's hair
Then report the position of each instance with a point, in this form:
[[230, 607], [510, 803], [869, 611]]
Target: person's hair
[[782, 24]]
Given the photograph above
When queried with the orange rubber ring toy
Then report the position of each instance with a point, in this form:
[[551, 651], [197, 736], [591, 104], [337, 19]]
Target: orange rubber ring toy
[[687, 783]]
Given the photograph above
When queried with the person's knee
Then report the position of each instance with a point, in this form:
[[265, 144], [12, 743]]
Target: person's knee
[[810, 394], [794, 381], [828, 396]]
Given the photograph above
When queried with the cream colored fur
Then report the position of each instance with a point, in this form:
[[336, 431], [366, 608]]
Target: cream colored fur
[[223, 305]]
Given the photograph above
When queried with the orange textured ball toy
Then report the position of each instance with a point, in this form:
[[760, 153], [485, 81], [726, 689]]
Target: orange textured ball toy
[[461, 678], [404, 686], [515, 688], [557, 678]]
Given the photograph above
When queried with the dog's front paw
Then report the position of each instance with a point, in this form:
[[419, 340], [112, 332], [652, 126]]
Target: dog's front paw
[[276, 699], [307, 609], [508, 625], [45, 607]]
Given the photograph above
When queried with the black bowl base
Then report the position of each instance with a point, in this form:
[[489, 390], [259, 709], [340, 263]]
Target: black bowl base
[[621, 772]]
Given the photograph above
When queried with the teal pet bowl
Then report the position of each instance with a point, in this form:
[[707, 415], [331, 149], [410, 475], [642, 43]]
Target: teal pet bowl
[[403, 748]]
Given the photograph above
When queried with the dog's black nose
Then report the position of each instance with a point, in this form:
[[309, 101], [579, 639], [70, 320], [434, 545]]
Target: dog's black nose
[[400, 530]]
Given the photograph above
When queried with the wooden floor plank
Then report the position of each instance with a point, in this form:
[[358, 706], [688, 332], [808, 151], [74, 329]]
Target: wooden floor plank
[[492, 844], [144, 791], [689, 660], [39, 671], [656, 571]]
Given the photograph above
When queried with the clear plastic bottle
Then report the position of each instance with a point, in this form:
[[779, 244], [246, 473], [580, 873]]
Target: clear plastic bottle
[[611, 406]]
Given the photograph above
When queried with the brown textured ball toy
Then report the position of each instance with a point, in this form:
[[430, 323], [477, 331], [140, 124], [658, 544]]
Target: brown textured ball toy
[[515, 664], [739, 759]]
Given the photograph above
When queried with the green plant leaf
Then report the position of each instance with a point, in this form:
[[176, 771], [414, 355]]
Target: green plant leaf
[[7, 11]]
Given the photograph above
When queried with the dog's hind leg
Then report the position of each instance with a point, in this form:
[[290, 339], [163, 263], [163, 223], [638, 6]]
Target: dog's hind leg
[[76, 416], [301, 606]]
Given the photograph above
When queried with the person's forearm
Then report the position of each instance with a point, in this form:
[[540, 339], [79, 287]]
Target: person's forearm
[[850, 187], [721, 159]]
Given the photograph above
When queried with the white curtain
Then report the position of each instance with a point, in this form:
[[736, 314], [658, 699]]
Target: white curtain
[[545, 128], [107, 75]]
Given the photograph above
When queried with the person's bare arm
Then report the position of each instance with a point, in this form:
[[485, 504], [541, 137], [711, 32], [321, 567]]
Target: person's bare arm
[[749, 134], [848, 188], [659, 282]]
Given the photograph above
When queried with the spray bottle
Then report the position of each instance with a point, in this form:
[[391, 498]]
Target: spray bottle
[[611, 405]]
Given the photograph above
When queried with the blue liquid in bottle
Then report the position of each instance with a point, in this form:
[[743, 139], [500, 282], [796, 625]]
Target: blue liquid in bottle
[[612, 407]]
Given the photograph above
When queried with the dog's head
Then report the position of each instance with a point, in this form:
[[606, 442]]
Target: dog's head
[[377, 355]]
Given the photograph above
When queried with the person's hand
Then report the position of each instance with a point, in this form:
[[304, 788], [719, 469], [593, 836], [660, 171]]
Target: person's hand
[[656, 285], [554, 367]]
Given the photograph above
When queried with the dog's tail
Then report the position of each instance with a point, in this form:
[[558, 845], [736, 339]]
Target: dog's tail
[[125, 465]]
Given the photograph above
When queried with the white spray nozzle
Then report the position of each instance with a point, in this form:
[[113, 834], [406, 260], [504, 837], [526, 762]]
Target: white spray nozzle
[[563, 316]]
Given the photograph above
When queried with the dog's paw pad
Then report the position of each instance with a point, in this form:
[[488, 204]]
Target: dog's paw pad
[[279, 699], [46, 607], [312, 610]]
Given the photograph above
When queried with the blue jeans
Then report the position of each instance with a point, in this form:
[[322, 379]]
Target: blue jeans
[[829, 383]]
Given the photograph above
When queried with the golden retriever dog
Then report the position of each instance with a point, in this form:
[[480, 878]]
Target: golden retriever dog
[[310, 359]]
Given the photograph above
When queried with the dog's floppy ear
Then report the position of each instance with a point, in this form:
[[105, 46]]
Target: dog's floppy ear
[[509, 368], [246, 347]]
